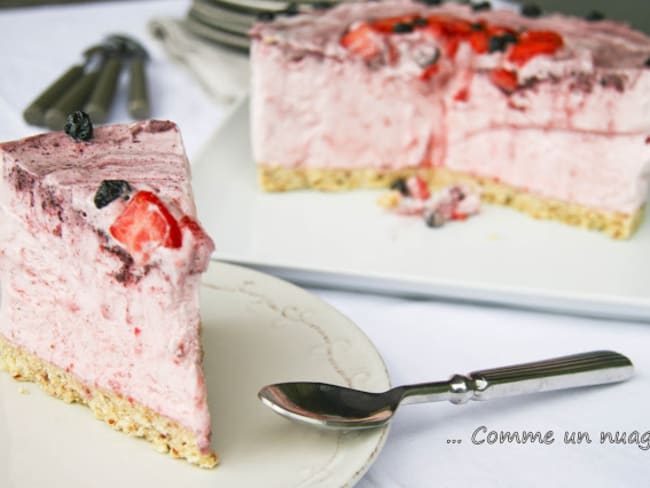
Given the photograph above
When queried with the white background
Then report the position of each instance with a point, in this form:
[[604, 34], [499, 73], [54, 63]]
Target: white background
[[420, 340]]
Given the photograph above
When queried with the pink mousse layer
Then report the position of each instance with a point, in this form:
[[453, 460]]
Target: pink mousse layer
[[581, 116], [74, 297]]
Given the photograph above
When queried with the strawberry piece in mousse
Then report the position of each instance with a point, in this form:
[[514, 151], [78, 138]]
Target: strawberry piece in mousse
[[146, 224]]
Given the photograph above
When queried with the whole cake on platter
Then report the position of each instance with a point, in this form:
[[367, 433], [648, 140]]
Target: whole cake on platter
[[100, 263], [547, 114]]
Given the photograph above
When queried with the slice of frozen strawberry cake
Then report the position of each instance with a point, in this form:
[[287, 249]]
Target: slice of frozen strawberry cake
[[100, 264], [548, 114]]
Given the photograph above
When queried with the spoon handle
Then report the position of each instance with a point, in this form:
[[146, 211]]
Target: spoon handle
[[590, 368]]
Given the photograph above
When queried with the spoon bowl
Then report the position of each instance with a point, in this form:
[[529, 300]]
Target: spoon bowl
[[330, 406]]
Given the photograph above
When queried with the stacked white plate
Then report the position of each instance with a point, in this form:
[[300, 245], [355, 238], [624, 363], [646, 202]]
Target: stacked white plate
[[228, 21]]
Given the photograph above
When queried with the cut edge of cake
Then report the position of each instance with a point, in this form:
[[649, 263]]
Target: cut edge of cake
[[321, 44]]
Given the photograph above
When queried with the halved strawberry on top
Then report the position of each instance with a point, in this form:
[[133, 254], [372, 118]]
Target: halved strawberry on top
[[458, 27], [446, 27], [534, 43], [144, 225], [480, 41], [436, 25], [362, 41]]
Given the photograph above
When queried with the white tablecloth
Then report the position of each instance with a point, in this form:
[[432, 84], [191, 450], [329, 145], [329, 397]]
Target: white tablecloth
[[420, 340]]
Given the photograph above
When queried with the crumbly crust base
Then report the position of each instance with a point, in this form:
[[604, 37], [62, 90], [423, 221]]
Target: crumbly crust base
[[123, 415], [615, 224]]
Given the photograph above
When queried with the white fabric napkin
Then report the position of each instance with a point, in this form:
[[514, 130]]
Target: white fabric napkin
[[224, 73]]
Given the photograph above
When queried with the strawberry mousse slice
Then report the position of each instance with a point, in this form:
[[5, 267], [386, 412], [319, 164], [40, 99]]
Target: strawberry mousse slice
[[547, 114], [101, 258]]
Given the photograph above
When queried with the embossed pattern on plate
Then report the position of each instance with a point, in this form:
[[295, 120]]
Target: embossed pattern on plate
[[256, 330]]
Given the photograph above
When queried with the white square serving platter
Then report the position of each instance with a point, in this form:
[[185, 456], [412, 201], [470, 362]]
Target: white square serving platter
[[345, 240]]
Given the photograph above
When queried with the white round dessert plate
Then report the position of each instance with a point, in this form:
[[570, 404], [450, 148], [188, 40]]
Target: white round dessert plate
[[256, 330]]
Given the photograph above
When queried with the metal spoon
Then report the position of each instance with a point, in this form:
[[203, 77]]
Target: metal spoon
[[340, 408]]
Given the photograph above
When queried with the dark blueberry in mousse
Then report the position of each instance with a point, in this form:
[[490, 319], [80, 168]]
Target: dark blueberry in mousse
[[481, 6], [420, 22], [430, 2], [647, 63], [477, 26], [500, 43], [400, 186], [434, 219], [402, 28], [531, 10], [595, 16], [111, 190], [79, 126]]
